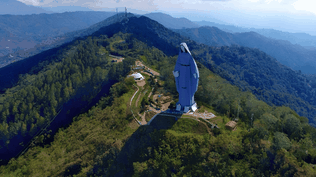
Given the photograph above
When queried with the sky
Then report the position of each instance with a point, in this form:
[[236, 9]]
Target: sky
[[285, 15]]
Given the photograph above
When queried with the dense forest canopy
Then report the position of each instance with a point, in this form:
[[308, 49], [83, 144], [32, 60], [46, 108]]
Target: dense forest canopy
[[37, 98], [105, 141], [253, 70]]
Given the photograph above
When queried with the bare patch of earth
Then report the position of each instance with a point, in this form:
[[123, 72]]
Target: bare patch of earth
[[141, 83], [205, 115]]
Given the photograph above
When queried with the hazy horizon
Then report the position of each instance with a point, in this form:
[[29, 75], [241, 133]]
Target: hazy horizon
[[297, 16]]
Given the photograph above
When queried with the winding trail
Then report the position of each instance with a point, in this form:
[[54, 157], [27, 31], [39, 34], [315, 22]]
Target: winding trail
[[131, 106]]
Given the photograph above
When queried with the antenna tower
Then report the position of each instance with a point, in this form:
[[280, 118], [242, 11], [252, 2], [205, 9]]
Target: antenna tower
[[117, 14]]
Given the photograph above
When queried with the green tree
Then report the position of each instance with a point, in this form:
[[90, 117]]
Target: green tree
[[281, 140], [23, 129], [270, 121], [292, 126]]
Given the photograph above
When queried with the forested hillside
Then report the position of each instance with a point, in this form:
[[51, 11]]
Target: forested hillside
[[253, 70], [106, 141], [75, 73], [249, 69], [292, 55]]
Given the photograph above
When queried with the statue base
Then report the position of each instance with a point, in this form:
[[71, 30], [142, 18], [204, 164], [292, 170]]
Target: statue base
[[186, 109]]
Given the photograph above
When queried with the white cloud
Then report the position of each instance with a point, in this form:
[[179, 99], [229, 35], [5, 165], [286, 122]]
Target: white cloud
[[256, 8], [148, 5], [305, 5], [30, 2]]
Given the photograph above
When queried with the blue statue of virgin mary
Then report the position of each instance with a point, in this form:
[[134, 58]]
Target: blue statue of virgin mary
[[186, 75]]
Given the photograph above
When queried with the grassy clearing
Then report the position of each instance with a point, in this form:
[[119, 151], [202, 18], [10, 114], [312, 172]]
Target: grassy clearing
[[144, 59], [189, 126], [219, 121]]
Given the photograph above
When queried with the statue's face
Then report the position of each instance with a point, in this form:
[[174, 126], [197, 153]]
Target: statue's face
[[182, 49]]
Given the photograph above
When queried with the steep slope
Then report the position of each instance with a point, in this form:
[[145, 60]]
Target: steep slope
[[114, 18], [65, 83], [10, 74], [148, 31], [171, 22], [294, 56], [208, 35], [223, 27]]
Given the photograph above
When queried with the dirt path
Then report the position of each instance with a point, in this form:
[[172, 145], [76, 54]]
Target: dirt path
[[154, 72], [131, 103], [143, 120], [137, 100], [151, 92], [207, 128]]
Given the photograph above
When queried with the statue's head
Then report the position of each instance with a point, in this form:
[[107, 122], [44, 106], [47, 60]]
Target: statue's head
[[184, 48]]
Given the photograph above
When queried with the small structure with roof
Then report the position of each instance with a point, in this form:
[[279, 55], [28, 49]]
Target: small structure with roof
[[137, 76], [231, 125]]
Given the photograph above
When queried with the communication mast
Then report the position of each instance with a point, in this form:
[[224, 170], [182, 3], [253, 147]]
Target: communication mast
[[117, 14], [125, 12]]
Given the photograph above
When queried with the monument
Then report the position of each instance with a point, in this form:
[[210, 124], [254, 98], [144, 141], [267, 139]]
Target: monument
[[186, 75]]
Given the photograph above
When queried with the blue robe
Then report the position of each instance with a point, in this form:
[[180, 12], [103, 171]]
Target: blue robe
[[186, 83]]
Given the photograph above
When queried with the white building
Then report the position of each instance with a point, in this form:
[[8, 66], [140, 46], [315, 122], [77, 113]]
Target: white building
[[137, 76]]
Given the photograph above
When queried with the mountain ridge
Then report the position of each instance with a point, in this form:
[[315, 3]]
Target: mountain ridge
[[306, 40], [15, 7], [159, 32], [106, 141], [294, 56], [155, 34], [171, 22]]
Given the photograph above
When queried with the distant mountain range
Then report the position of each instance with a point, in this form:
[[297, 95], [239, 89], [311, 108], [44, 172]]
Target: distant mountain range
[[41, 26], [15, 7], [249, 69], [273, 42], [294, 56], [41, 128], [25, 35], [171, 22], [303, 39]]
